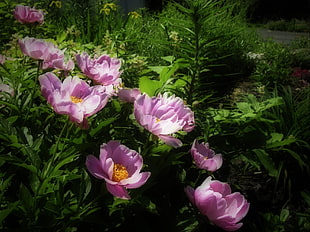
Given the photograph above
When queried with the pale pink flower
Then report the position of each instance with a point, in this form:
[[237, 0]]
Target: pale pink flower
[[128, 95], [2, 59], [163, 116], [120, 167], [6, 89], [215, 200], [28, 15], [48, 52], [73, 97], [205, 158], [104, 70]]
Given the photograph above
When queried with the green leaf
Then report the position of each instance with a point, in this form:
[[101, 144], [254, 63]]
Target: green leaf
[[13, 107], [284, 215], [61, 36], [306, 197], [170, 59], [101, 125], [244, 107], [28, 136], [63, 162], [276, 140], [157, 69], [267, 162], [26, 198], [296, 157], [149, 86], [6, 212], [29, 167]]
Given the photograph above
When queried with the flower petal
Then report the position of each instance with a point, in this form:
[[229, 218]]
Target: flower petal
[[138, 180], [118, 191], [171, 141], [94, 167]]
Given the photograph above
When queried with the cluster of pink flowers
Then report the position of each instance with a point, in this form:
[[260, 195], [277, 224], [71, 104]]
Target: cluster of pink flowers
[[74, 97], [214, 199], [48, 52], [163, 116], [28, 15]]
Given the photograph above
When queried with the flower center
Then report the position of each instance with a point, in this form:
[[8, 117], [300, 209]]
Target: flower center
[[119, 173], [76, 99], [157, 120]]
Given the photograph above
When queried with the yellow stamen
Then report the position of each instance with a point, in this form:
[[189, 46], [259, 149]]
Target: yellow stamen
[[76, 99], [157, 120], [119, 173]]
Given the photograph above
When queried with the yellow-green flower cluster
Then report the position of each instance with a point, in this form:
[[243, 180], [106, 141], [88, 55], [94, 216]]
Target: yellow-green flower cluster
[[107, 8], [134, 15], [56, 3]]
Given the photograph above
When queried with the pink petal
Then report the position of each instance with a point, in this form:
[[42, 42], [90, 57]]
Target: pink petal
[[137, 180], [190, 192], [171, 141], [94, 167], [118, 191]]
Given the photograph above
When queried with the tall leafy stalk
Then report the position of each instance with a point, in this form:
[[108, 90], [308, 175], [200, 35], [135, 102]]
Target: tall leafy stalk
[[199, 44]]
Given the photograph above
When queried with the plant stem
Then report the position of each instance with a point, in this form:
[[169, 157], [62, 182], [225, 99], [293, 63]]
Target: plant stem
[[40, 62]]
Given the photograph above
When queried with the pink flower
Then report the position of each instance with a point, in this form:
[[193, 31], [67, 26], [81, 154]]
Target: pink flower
[[51, 55], [58, 62], [120, 168], [36, 48], [104, 70], [2, 59], [215, 200], [6, 89], [205, 158], [163, 116], [28, 15], [73, 97], [128, 95]]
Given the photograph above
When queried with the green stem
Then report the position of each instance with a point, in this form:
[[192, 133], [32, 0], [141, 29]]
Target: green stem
[[55, 155], [5, 69], [65, 128], [32, 94]]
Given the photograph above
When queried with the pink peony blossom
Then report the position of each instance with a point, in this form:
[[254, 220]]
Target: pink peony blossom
[[73, 97], [163, 116], [205, 158], [120, 168], [51, 55], [128, 95], [6, 89], [2, 59], [58, 62], [104, 70], [28, 15], [215, 200]]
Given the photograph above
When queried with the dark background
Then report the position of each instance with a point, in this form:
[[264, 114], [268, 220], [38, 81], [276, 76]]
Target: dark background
[[279, 9], [259, 10]]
